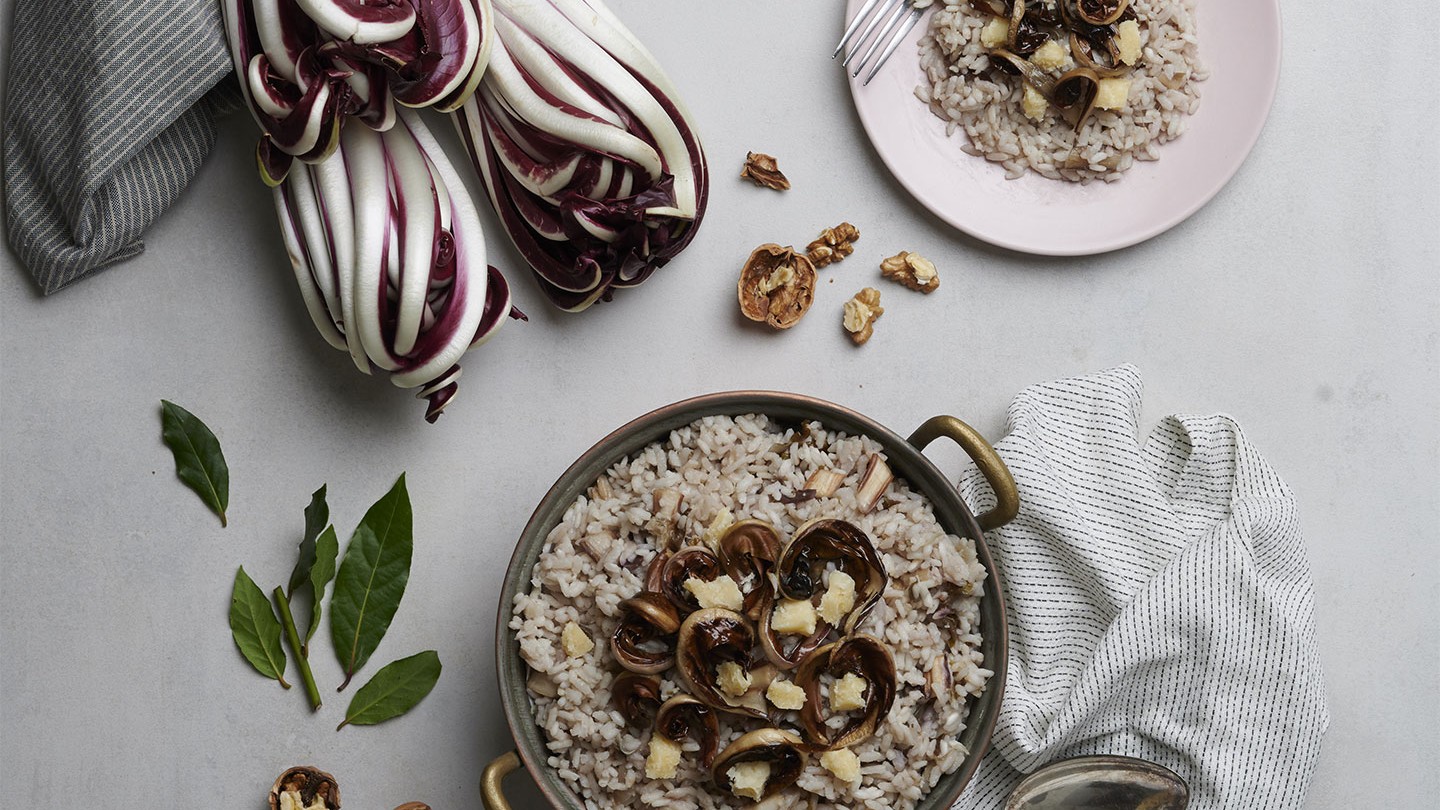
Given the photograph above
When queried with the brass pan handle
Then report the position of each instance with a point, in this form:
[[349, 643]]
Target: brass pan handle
[[997, 475], [495, 773]]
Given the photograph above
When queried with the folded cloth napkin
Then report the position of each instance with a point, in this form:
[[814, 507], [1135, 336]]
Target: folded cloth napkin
[[1160, 602], [110, 109]]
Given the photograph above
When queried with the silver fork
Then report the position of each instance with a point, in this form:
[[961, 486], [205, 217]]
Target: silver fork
[[899, 17]]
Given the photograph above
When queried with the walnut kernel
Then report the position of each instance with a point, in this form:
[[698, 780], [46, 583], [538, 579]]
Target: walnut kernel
[[762, 170], [861, 313], [911, 269], [833, 245], [777, 286]]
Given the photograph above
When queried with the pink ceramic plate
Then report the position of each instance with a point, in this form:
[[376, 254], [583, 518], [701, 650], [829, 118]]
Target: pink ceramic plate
[[1239, 43]]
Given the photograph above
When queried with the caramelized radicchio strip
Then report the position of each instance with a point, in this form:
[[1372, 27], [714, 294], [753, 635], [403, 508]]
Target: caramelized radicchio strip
[[709, 639], [824, 541], [873, 483], [749, 550], [636, 697], [1075, 94], [864, 656], [683, 716], [797, 497], [782, 751], [691, 562], [776, 651], [644, 641], [824, 483]]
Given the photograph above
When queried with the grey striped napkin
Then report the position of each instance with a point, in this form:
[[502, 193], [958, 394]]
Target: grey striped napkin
[[110, 109], [1159, 598]]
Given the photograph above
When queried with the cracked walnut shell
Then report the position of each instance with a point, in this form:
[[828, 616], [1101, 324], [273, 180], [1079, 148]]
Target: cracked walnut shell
[[762, 170], [911, 269], [305, 788], [777, 286], [861, 312], [833, 245]]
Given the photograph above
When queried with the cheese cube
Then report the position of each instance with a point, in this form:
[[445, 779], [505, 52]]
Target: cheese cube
[[722, 592], [848, 693], [748, 779], [1050, 56], [1127, 41], [843, 763], [718, 524], [1033, 104], [795, 617], [664, 758], [733, 679], [994, 34], [786, 695], [1113, 94], [574, 641], [839, 598]]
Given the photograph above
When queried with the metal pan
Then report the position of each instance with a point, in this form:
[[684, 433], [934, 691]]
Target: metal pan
[[905, 458]]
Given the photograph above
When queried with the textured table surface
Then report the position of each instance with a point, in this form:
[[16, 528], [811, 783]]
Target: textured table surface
[[1304, 300]]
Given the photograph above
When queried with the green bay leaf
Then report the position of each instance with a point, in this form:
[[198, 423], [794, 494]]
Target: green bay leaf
[[255, 628], [327, 549], [317, 516], [394, 690], [371, 579], [198, 460]]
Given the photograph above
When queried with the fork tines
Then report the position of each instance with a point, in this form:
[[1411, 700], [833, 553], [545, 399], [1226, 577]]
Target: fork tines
[[894, 18]]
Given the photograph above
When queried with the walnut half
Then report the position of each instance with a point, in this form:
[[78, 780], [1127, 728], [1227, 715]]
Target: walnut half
[[762, 170], [912, 270], [777, 286], [833, 245], [305, 788], [861, 312]]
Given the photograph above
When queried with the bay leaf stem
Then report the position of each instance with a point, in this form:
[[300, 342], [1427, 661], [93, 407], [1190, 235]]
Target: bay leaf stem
[[288, 621]]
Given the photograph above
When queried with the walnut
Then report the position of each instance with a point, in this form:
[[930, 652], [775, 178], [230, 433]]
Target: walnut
[[912, 270], [777, 286], [833, 245], [762, 170], [861, 312], [305, 788]]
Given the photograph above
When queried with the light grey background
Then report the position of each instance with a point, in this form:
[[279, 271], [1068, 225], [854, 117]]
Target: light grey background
[[1303, 300]]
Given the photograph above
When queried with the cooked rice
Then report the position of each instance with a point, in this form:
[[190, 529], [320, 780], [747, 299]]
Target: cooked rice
[[597, 556], [965, 93]]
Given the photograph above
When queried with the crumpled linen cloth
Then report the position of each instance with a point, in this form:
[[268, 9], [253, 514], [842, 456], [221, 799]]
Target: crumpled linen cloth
[[110, 109], [1160, 601]]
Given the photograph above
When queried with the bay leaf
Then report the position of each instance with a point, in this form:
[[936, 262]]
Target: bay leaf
[[372, 579], [255, 628], [317, 517], [198, 460], [327, 548], [394, 690]]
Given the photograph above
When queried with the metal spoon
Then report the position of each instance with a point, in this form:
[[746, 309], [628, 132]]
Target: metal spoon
[[1100, 783]]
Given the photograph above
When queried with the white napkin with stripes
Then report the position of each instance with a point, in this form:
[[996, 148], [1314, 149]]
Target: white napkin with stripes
[[1160, 601]]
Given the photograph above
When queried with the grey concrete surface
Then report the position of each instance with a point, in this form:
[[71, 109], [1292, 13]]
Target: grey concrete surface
[[1304, 300]]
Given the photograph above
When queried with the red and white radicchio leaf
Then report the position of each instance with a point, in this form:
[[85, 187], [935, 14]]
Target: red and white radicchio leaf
[[383, 238], [306, 65], [389, 257], [587, 154]]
